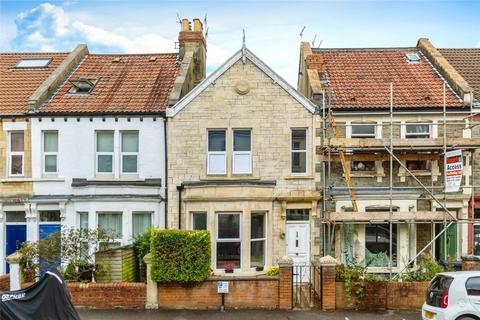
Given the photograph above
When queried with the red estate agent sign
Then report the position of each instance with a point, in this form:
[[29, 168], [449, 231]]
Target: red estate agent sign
[[453, 170]]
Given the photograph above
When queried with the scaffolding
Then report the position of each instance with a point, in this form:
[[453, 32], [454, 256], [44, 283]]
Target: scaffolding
[[394, 150]]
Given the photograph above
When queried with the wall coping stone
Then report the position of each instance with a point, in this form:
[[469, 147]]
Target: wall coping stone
[[285, 261], [327, 261]]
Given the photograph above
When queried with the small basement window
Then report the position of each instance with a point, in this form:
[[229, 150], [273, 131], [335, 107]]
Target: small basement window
[[33, 63], [82, 85], [412, 57]]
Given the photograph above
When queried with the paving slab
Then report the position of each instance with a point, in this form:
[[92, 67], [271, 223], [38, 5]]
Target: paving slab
[[120, 314]]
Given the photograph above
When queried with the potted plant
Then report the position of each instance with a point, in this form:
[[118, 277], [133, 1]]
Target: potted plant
[[229, 266], [259, 268]]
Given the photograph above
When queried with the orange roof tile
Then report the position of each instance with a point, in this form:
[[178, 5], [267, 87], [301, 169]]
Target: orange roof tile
[[137, 83], [360, 78], [467, 63], [17, 85]]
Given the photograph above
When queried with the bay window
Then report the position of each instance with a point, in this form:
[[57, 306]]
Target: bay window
[[50, 151], [16, 153], [199, 220], [377, 244], [242, 151], [111, 222], [141, 221], [299, 151], [217, 156], [105, 151], [228, 241], [257, 240]]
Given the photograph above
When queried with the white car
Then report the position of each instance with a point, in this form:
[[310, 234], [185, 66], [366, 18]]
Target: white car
[[453, 296]]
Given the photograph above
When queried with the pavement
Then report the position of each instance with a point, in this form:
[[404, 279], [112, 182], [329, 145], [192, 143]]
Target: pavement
[[120, 314]]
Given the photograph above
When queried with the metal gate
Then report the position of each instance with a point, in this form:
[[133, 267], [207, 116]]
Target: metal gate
[[306, 286]]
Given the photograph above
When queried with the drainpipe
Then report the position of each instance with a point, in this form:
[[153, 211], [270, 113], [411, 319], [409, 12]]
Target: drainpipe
[[165, 211], [180, 189]]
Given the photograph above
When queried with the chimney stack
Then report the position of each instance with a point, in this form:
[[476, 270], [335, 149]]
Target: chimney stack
[[192, 44]]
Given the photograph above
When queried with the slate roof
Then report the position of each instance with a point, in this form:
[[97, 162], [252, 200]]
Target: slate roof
[[467, 63], [17, 85], [360, 79], [135, 83]]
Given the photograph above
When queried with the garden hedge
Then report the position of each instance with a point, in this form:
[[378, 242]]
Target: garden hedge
[[180, 255]]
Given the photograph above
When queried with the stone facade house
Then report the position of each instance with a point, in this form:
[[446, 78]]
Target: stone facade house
[[378, 102], [241, 165], [467, 62]]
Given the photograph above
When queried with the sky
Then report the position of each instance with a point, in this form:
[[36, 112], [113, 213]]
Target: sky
[[272, 28]]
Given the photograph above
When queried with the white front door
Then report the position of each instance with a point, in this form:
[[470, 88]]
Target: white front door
[[298, 242], [298, 248]]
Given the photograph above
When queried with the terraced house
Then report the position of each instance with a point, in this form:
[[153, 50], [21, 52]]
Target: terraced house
[[20, 76], [241, 165], [387, 118], [87, 148]]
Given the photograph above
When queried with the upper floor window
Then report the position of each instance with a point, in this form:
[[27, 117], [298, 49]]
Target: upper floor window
[[413, 165], [105, 147], [417, 131], [299, 151], [141, 221], [217, 155], [16, 153], [360, 130], [129, 156], [50, 151], [242, 151]]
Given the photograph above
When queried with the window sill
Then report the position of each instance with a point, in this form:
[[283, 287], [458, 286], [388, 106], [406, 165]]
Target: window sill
[[47, 179], [299, 177], [382, 269], [229, 177], [14, 179], [419, 173], [365, 174]]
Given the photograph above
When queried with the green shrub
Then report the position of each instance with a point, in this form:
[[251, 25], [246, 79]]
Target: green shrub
[[142, 248], [180, 255], [426, 270]]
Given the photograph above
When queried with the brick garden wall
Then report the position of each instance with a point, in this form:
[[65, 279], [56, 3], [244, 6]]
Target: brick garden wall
[[108, 295], [385, 295], [247, 293], [5, 282]]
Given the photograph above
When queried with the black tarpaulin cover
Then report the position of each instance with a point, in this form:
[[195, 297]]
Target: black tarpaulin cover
[[48, 299]]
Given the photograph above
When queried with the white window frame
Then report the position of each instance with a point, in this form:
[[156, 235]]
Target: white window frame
[[122, 153], [222, 240], [50, 153], [264, 239], [364, 135], [299, 151], [427, 135], [241, 153], [97, 153], [15, 153], [216, 153]]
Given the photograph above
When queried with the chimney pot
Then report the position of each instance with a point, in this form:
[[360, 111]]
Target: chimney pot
[[186, 25], [197, 25]]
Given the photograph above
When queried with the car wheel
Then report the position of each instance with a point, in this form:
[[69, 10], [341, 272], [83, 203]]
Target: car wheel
[[467, 318]]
